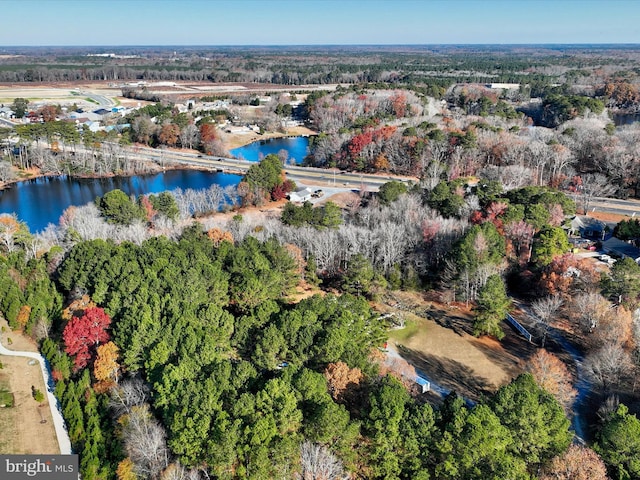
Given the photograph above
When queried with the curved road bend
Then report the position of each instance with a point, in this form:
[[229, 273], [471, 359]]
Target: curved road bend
[[56, 413]]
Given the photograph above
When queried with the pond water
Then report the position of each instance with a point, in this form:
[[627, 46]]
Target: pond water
[[296, 148], [41, 201]]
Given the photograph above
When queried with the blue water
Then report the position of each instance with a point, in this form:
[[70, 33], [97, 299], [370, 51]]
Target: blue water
[[296, 147], [41, 201]]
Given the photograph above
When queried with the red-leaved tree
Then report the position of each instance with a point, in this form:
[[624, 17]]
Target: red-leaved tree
[[83, 334]]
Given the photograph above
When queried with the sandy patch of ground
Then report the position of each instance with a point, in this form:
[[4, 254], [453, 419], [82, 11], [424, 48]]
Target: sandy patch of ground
[[438, 342], [22, 428]]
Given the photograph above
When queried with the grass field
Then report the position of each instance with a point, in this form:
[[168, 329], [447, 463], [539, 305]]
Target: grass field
[[7, 417], [437, 341]]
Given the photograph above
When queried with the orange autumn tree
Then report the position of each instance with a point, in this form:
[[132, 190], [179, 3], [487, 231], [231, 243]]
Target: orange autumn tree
[[341, 379], [23, 316], [552, 375], [217, 236], [106, 367], [565, 273]]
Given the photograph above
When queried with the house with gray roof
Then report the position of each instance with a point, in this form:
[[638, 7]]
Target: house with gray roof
[[620, 248]]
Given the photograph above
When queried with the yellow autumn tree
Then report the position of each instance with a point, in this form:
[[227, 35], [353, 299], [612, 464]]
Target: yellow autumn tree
[[77, 307], [23, 316], [105, 368], [125, 470]]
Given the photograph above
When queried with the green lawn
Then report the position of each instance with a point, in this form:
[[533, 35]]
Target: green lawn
[[6, 398], [404, 334], [6, 416]]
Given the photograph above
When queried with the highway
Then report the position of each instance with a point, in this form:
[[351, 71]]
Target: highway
[[615, 205], [320, 176]]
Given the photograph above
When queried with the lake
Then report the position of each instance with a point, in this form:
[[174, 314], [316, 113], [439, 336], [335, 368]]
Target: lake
[[296, 147], [41, 201]]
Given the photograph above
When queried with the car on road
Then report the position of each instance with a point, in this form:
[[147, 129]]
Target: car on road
[[606, 259]]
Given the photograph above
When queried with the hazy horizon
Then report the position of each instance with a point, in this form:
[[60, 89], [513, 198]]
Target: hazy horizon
[[100, 23]]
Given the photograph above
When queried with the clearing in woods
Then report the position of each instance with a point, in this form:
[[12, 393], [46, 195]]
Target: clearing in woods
[[22, 428], [437, 341]]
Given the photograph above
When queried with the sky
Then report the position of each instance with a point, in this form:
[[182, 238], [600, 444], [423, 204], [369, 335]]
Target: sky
[[317, 22]]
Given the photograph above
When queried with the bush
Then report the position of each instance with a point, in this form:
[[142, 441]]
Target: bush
[[38, 396]]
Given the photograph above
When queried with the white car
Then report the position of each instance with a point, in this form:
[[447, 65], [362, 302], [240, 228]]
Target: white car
[[607, 259]]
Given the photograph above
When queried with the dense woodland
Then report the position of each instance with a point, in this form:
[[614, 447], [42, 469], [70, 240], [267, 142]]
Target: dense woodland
[[181, 351], [222, 374], [436, 67]]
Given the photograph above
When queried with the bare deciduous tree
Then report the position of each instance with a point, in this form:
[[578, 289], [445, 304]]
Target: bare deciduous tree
[[593, 185], [608, 365], [145, 442], [577, 463], [544, 312], [318, 463], [589, 309], [128, 394]]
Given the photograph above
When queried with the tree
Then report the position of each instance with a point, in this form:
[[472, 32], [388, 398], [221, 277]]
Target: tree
[[105, 368], [19, 107], [623, 281], [390, 191], [165, 203], [552, 374], [549, 243], [544, 311], [359, 276], [482, 449], [537, 422], [85, 333], [145, 442], [37, 395], [341, 379], [589, 310], [169, 134], [492, 308], [318, 463], [569, 273], [627, 229], [118, 208], [618, 443], [608, 364], [593, 185], [125, 470], [577, 463]]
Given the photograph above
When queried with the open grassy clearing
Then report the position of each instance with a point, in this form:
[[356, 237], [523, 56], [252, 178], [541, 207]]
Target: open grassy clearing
[[436, 340], [7, 413], [27, 427]]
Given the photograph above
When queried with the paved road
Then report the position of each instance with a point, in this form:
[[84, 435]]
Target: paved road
[[335, 177], [58, 422]]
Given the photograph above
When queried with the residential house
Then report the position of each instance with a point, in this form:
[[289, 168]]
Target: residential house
[[619, 248], [589, 227], [301, 195]]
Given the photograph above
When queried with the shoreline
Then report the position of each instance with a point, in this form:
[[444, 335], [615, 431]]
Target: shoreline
[[235, 140]]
